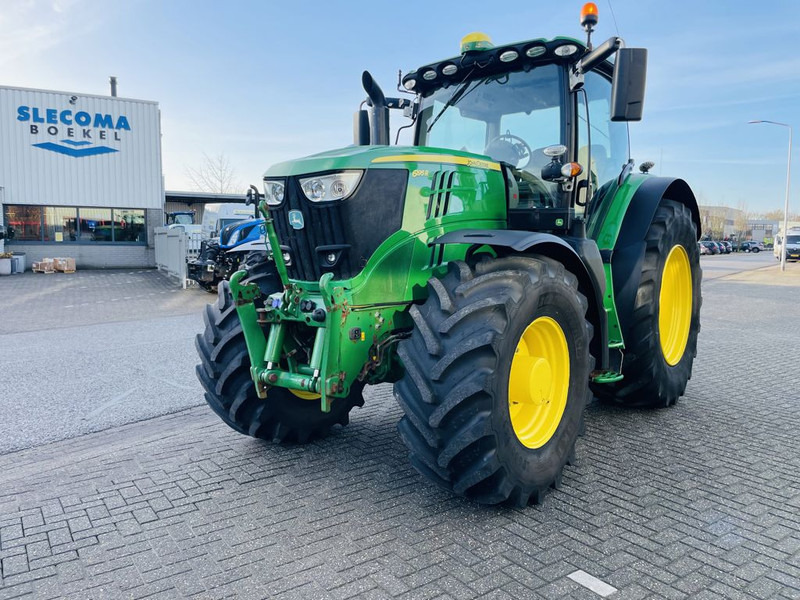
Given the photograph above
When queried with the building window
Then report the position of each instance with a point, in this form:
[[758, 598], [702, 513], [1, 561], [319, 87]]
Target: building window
[[26, 222], [65, 224], [60, 224], [95, 225], [129, 225]]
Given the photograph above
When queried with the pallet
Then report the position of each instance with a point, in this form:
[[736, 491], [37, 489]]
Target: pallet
[[43, 270]]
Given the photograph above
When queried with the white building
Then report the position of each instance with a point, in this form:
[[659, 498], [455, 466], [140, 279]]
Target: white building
[[80, 176]]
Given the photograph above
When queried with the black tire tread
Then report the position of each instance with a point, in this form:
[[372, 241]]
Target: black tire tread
[[446, 392], [224, 372]]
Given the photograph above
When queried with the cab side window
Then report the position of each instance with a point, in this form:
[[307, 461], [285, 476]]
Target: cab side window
[[607, 140]]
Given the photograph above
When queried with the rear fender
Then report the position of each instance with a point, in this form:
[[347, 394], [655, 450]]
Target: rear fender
[[627, 257], [580, 256]]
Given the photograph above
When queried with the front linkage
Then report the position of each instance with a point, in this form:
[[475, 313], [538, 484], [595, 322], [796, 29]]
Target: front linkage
[[313, 338]]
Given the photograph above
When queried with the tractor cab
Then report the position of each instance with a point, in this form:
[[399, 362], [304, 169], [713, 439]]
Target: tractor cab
[[552, 112]]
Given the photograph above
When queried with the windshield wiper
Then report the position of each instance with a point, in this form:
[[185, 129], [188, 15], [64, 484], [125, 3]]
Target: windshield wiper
[[455, 98]]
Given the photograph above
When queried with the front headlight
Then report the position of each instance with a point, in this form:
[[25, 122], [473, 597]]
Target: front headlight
[[234, 238], [325, 188], [273, 191]]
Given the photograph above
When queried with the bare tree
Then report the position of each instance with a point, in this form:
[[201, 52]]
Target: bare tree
[[215, 175], [774, 215], [742, 222]]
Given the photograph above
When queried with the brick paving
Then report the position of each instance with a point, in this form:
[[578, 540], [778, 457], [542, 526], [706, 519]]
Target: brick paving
[[698, 501]]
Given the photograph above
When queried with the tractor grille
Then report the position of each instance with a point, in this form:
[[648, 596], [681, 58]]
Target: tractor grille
[[339, 237]]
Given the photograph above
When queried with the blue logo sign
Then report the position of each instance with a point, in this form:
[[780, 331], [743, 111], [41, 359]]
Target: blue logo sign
[[73, 124], [296, 219], [77, 151]]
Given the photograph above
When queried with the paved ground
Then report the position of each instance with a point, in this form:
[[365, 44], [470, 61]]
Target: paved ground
[[699, 501], [91, 350], [724, 265]]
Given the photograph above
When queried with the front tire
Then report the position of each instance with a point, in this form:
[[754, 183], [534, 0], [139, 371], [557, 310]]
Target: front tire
[[495, 382], [661, 345], [224, 372]]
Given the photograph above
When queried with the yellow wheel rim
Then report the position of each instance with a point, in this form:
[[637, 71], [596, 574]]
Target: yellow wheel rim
[[305, 395], [675, 305], [538, 383]]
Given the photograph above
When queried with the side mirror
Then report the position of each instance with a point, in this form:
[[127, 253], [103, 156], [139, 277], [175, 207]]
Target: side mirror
[[252, 196], [627, 89]]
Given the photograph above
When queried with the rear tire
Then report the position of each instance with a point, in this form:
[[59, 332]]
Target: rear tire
[[461, 367], [224, 372], [658, 359]]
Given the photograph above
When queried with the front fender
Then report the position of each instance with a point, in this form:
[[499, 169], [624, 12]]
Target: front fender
[[580, 256]]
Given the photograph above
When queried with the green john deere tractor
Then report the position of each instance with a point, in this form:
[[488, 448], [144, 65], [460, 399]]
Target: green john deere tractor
[[499, 272]]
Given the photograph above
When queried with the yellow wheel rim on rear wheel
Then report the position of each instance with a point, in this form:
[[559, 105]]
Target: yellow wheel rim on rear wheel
[[675, 305], [538, 383]]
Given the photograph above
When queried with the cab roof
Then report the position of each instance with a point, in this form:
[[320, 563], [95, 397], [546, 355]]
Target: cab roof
[[495, 60]]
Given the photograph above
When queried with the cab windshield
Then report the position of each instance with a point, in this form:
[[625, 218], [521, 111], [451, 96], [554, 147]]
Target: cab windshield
[[511, 117]]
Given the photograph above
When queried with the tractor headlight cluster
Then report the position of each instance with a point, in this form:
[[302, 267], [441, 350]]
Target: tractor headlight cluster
[[273, 191], [334, 186]]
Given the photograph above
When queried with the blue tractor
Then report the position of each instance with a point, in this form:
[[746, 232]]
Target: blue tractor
[[238, 245]]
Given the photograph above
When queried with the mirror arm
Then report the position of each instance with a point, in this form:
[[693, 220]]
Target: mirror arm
[[599, 54]]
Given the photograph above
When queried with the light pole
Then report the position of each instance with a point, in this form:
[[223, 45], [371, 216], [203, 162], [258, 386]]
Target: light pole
[[788, 181]]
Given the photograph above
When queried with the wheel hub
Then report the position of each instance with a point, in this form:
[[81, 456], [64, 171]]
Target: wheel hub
[[538, 382], [675, 305]]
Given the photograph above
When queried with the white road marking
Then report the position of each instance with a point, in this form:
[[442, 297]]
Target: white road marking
[[176, 385], [109, 404], [593, 583]]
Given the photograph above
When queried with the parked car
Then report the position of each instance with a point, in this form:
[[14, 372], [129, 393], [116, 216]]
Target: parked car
[[728, 246], [751, 246], [711, 246], [792, 244], [703, 248]]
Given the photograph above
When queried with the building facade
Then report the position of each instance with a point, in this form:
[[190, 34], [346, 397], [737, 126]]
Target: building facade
[[80, 177]]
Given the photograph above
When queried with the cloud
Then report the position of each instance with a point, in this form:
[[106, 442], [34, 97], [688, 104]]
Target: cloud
[[30, 29]]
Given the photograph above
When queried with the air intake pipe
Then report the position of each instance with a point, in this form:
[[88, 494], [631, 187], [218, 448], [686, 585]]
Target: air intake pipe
[[378, 113]]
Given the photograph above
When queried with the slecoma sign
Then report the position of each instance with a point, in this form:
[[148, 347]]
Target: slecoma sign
[[79, 130]]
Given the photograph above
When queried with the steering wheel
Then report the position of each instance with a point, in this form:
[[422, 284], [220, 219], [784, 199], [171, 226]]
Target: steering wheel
[[510, 149]]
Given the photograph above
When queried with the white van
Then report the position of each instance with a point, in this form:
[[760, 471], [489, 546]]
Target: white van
[[218, 215], [792, 244]]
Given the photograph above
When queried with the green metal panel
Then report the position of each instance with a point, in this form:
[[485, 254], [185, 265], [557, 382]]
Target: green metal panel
[[604, 227], [447, 190], [605, 224]]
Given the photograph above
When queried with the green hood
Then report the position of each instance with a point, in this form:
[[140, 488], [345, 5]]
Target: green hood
[[364, 157]]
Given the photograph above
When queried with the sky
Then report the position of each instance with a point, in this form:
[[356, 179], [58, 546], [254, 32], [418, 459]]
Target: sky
[[265, 81]]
